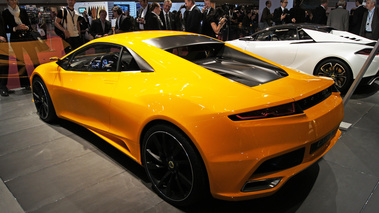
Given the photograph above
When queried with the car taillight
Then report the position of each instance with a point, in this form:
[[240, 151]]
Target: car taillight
[[277, 111], [366, 51]]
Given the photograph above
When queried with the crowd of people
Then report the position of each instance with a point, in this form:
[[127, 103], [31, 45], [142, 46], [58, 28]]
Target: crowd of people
[[225, 22]]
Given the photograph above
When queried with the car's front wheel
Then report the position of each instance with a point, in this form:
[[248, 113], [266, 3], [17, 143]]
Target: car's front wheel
[[173, 166], [42, 101], [338, 70]]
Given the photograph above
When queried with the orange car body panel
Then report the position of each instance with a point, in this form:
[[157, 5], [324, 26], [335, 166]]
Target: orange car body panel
[[117, 106]]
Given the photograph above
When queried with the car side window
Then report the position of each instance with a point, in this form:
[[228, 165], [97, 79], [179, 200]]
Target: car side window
[[95, 58], [128, 62], [303, 35], [264, 36], [286, 34]]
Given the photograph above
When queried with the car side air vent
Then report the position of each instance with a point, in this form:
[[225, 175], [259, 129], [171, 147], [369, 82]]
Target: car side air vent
[[315, 99], [282, 162]]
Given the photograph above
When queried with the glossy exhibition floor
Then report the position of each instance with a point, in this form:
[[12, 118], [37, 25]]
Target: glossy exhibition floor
[[65, 168]]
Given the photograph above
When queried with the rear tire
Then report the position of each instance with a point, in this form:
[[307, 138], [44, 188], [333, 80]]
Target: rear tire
[[338, 70], [42, 101], [173, 166]]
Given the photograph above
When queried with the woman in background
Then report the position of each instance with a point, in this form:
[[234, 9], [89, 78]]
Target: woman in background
[[18, 25]]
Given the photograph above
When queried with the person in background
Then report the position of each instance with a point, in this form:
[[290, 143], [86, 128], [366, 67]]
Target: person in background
[[206, 27], [217, 21], [247, 22], [319, 14], [281, 14], [154, 22], [18, 25], [356, 17], [101, 27], [266, 18], [143, 14], [167, 17], [297, 14], [123, 24], [370, 21], [193, 19], [42, 25], [339, 17], [4, 62], [70, 26]]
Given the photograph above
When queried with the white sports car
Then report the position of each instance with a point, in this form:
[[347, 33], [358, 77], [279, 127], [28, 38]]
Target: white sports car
[[317, 50]]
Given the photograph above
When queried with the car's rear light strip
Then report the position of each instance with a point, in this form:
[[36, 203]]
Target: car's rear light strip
[[285, 109], [366, 51]]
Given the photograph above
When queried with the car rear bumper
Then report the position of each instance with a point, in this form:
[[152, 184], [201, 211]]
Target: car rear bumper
[[260, 156]]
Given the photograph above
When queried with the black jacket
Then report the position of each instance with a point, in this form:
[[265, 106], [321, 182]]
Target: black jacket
[[193, 21], [206, 28], [319, 15], [171, 20], [154, 22], [97, 29], [125, 24], [374, 24], [19, 35], [356, 20], [277, 15]]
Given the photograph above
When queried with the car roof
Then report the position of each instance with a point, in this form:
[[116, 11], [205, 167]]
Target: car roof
[[161, 39]]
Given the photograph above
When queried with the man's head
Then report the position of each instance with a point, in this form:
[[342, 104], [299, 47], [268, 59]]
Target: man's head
[[71, 3], [284, 3], [268, 4], [117, 11], [341, 3], [358, 2], [324, 3], [143, 3], [103, 14], [207, 4], [156, 8], [167, 4], [189, 3], [370, 4]]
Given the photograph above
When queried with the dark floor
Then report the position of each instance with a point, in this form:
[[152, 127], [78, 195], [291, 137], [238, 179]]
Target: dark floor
[[65, 168]]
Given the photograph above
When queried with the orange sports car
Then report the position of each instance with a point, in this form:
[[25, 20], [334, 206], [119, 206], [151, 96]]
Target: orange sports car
[[198, 114]]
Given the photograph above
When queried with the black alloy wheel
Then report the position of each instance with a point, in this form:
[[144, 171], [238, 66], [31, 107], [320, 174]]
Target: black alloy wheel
[[42, 101], [173, 166], [338, 70]]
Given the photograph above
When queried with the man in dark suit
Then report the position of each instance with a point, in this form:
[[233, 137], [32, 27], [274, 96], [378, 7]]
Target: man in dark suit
[[122, 23], [207, 10], [154, 22], [281, 14], [167, 17], [143, 14], [356, 17], [101, 27], [319, 14], [4, 62], [193, 19], [370, 21]]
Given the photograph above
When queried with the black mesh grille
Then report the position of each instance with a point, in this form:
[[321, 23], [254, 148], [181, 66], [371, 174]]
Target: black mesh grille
[[282, 162], [315, 99]]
